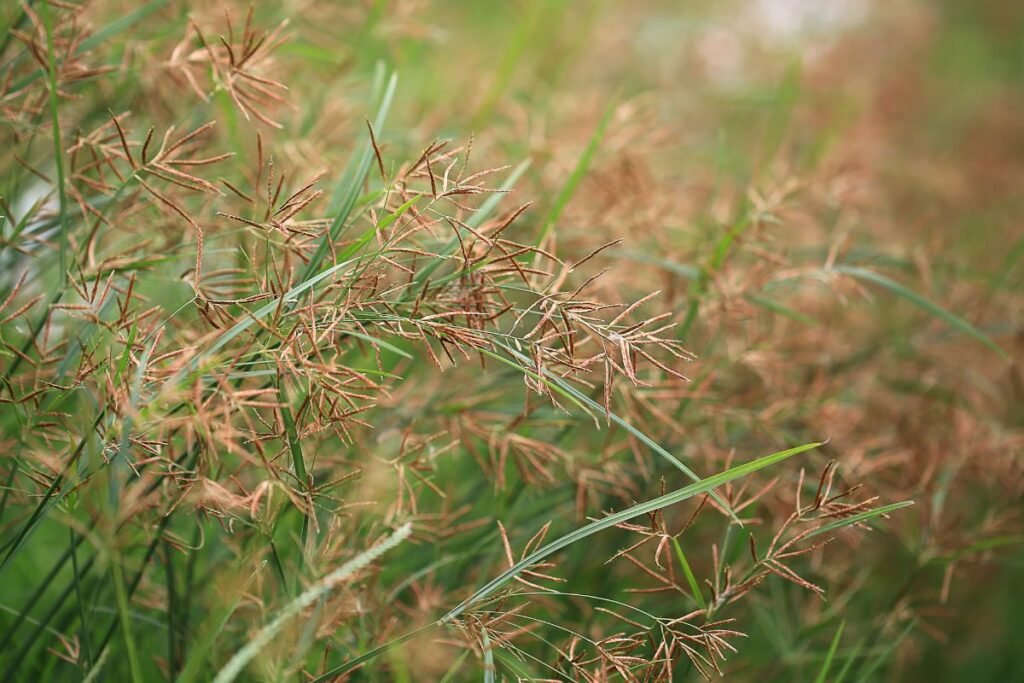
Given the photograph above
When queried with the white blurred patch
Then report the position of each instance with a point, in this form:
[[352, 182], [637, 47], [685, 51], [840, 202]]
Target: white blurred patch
[[790, 20], [20, 206], [805, 27]]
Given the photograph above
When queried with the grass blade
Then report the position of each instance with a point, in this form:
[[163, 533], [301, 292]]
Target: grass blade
[[122, 23], [489, 669], [827, 664], [77, 574], [474, 221], [196, 663], [333, 674], [573, 182], [126, 624], [49, 499], [691, 580], [260, 313], [695, 489], [868, 672], [850, 661], [579, 398], [860, 517], [954, 321], [292, 436], [350, 185], [241, 658], [58, 149]]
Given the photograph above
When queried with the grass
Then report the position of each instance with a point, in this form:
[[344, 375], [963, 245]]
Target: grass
[[423, 341]]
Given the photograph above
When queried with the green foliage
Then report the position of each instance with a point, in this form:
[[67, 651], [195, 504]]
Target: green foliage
[[416, 341]]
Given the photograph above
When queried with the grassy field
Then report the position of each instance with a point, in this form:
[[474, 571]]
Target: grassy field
[[426, 340]]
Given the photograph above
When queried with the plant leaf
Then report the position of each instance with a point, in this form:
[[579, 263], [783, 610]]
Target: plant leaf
[[695, 489], [931, 307]]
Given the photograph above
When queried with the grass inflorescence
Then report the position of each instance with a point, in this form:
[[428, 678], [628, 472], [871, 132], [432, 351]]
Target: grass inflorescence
[[410, 340]]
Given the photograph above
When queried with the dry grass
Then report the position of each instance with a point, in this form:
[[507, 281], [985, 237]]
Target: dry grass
[[412, 341]]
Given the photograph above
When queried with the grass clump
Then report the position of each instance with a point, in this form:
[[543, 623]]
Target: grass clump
[[317, 366]]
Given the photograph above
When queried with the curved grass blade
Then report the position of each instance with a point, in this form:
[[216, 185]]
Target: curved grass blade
[[695, 489], [51, 497], [921, 302], [334, 673], [867, 673], [348, 189], [260, 313], [201, 649], [588, 404], [859, 517], [238, 662]]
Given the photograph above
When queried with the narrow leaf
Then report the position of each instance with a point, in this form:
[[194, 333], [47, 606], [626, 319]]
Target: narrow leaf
[[666, 500], [954, 321]]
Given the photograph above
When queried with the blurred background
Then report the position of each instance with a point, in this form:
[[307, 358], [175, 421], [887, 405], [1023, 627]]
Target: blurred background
[[887, 136]]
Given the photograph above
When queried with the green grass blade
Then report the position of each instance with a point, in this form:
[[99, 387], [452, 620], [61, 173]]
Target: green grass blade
[[58, 149], [238, 662], [94, 40], [126, 625], [780, 308], [75, 539], [691, 580], [369, 655], [348, 189], [195, 666], [242, 325], [119, 24], [172, 611], [578, 397], [292, 436], [577, 175], [850, 661], [42, 625], [827, 664], [398, 213], [299, 465], [454, 668], [133, 586], [954, 321], [868, 672], [489, 670], [521, 42], [859, 517], [695, 489], [683, 270], [51, 497], [491, 203], [377, 341], [7, 486], [474, 221]]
